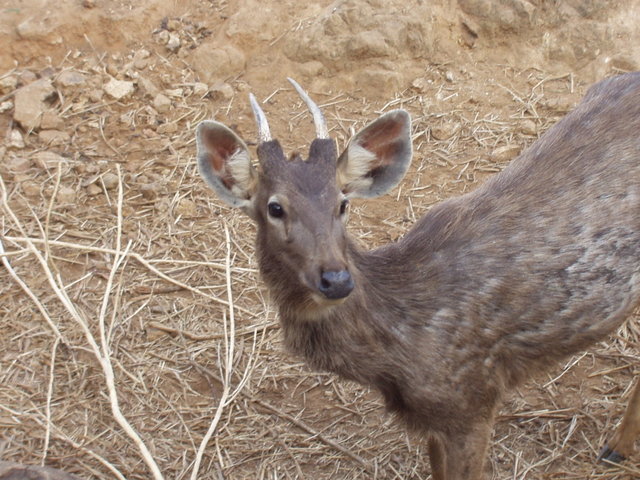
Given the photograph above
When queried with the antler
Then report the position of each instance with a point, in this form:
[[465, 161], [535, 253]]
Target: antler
[[318, 119], [264, 135]]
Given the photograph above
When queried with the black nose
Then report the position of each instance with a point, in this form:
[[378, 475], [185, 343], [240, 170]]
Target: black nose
[[336, 284]]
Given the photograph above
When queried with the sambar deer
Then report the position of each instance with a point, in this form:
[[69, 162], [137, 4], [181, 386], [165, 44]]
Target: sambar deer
[[485, 290]]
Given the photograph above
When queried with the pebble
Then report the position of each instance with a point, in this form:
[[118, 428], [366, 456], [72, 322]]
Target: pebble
[[505, 153], [93, 190], [119, 89], [8, 84], [445, 131], [30, 188], [110, 180], [15, 140], [161, 103], [18, 164], [54, 137], [173, 43], [67, 195], [51, 121], [149, 191], [200, 89], [528, 127], [47, 160], [222, 91], [70, 78], [29, 103]]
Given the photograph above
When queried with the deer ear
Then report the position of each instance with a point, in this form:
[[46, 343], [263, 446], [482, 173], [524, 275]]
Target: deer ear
[[225, 164], [377, 157]]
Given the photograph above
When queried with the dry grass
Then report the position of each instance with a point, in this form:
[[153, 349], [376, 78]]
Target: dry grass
[[138, 342]]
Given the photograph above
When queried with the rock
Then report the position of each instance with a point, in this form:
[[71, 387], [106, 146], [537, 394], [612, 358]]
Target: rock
[[30, 188], [66, 195], [528, 127], [149, 191], [420, 85], [96, 95], [445, 131], [70, 78], [18, 164], [368, 44], [163, 37], [505, 153], [312, 68], [175, 92], [8, 83], [167, 128], [161, 103], [15, 140], [384, 81], [47, 160], [119, 89], [51, 121], [29, 103], [186, 208], [222, 91], [93, 190], [110, 180], [38, 27], [173, 25], [147, 86], [173, 43], [211, 61], [54, 137], [200, 89], [89, 3]]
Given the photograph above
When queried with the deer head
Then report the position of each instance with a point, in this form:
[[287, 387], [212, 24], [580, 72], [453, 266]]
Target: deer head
[[300, 205]]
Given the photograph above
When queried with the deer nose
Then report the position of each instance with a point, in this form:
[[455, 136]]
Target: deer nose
[[336, 284]]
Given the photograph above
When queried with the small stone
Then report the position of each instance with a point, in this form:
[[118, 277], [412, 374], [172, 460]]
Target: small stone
[[6, 106], [200, 89], [93, 190], [167, 128], [161, 103], [70, 78], [173, 43], [119, 89], [54, 137], [30, 188], [445, 131], [147, 86], [175, 92], [51, 121], [505, 153], [15, 140], [96, 95], [312, 68], [149, 191], [528, 127], [66, 195], [8, 84], [89, 3], [173, 25], [110, 181], [449, 76], [420, 85], [163, 37], [47, 160], [222, 91], [29, 103], [18, 164], [186, 208]]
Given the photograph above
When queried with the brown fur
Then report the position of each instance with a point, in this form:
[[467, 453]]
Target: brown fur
[[486, 289]]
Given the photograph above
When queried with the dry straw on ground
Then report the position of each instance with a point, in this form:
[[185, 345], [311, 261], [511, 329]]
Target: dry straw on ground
[[137, 341]]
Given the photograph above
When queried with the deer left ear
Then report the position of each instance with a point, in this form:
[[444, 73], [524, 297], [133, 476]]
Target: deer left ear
[[377, 157], [225, 164]]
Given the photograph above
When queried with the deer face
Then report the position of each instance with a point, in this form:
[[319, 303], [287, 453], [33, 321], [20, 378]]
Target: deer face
[[300, 205]]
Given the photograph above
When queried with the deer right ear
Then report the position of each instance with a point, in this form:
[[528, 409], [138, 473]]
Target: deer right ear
[[225, 164], [377, 157]]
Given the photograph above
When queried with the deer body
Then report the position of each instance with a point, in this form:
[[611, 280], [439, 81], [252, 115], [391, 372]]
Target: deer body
[[535, 264]]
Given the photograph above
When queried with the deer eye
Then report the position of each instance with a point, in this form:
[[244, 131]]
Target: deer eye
[[275, 210], [343, 206]]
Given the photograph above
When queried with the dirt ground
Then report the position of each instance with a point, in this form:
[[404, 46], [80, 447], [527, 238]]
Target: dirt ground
[[125, 281]]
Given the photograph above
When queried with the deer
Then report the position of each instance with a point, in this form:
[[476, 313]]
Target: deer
[[485, 290]]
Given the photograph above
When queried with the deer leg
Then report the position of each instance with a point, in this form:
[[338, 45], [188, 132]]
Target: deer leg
[[621, 445], [460, 456]]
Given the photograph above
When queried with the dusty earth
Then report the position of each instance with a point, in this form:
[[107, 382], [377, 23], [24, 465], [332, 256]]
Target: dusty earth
[[121, 265]]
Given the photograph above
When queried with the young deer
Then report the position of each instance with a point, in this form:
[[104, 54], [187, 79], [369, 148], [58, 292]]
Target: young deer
[[485, 290]]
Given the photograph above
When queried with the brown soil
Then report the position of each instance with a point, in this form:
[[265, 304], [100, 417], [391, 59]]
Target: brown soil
[[97, 180]]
